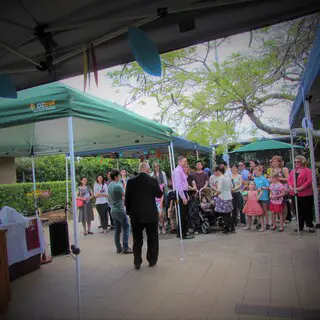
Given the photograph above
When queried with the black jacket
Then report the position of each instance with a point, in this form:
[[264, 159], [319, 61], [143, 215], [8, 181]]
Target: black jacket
[[140, 198]]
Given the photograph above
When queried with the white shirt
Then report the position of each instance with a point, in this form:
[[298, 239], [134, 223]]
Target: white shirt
[[98, 188], [165, 180], [224, 186], [213, 181]]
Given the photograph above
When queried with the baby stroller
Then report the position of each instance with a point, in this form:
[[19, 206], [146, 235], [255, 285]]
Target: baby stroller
[[208, 216]]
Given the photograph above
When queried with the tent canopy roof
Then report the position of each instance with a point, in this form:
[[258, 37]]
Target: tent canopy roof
[[310, 86], [180, 145], [64, 27], [262, 145], [38, 119]]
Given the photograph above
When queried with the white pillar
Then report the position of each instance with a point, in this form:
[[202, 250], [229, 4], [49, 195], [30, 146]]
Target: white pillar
[[294, 184], [178, 204], [75, 248], [34, 185], [171, 171], [118, 164], [312, 160], [67, 188]]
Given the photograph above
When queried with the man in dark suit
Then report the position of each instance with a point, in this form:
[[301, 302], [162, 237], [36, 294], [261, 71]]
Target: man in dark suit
[[140, 199]]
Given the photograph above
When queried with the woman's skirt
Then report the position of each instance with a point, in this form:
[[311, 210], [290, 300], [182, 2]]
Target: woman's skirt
[[223, 206], [86, 212]]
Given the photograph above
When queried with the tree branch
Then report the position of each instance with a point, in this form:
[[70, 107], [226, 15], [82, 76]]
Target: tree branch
[[276, 96], [275, 130]]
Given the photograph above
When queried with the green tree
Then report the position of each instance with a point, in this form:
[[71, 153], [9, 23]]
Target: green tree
[[205, 99]]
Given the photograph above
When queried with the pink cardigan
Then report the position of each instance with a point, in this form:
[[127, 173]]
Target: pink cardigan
[[304, 180]]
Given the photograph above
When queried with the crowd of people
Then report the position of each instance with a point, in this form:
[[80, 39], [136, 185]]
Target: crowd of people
[[245, 193]]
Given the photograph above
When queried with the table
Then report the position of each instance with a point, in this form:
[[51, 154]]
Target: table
[[22, 243]]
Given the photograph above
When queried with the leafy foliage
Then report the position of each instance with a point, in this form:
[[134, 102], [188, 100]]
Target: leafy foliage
[[15, 196], [205, 99], [54, 169]]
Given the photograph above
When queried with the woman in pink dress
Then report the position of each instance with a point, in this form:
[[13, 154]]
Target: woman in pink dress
[[252, 207], [277, 191]]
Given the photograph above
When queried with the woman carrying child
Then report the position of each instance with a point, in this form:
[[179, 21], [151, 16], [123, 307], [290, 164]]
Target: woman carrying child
[[277, 192], [252, 207]]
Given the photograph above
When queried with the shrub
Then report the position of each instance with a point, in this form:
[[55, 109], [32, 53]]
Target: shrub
[[15, 196]]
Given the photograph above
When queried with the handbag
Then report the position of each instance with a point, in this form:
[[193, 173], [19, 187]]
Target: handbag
[[79, 203]]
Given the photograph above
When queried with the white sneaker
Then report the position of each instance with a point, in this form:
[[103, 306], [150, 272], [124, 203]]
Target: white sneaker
[[247, 228], [261, 230]]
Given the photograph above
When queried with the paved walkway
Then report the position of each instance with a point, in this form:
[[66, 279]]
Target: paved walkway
[[247, 275]]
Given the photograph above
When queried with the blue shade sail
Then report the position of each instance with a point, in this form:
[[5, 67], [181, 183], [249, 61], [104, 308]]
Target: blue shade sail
[[145, 51]]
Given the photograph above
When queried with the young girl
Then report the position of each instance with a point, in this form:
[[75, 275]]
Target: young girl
[[206, 204], [277, 192], [252, 207], [159, 202]]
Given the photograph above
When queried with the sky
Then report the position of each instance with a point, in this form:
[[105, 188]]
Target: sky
[[237, 43]]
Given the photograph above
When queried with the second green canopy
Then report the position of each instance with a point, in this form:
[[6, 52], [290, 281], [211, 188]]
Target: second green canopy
[[261, 145]]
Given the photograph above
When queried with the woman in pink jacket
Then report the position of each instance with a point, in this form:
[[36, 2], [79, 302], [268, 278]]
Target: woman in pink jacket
[[303, 176]]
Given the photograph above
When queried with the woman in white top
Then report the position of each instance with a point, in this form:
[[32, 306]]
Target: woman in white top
[[159, 174], [102, 203], [223, 198]]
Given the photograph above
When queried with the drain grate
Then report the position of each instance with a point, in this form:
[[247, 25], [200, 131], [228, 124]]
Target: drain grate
[[277, 312]]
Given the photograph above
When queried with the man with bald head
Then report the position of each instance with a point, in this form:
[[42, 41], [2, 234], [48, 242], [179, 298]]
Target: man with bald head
[[140, 199]]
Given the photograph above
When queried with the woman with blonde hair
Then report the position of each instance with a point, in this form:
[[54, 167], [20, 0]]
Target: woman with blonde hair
[[304, 192]]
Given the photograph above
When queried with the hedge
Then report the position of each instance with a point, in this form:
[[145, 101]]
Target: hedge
[[15, 196]]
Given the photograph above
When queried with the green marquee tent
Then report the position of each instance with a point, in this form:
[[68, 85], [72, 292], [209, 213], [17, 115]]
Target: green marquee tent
[[54, 118], [265, 145], [38, 119]]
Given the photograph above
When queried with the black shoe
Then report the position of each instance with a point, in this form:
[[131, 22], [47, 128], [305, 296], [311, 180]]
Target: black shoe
[[100, 227], [119, 250], [127, 251], [258, 226], [225, 231], [152, 264], [137, 266], [267, 226], [296, 230], [311, 230]]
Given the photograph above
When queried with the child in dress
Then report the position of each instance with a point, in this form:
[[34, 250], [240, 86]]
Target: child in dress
[[277, 192], [252, 207], [206, 205]]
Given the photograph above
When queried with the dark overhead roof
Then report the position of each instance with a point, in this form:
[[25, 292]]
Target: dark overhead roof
[[212, 19]]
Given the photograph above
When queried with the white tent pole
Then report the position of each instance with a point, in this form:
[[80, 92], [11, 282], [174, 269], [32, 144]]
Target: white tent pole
[[34, 185], [178, 205], [295, 185], [75, 248], [118, 164], [197, 153], [67, 187], [312, 160], [171, 170]]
